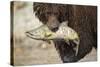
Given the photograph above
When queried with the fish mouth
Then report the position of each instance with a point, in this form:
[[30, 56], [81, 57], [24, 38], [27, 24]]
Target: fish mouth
[[33, 36]]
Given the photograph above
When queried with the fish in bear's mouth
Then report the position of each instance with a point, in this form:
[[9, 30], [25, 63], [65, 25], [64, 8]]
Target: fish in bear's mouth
[[64, 32]]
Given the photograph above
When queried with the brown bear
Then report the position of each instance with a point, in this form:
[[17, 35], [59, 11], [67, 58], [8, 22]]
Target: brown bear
[[81, 18]]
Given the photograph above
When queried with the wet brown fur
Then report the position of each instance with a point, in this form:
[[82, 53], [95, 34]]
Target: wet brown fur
[[83, 19]]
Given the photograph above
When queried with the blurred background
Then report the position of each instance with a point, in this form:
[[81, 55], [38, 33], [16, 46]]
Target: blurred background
[[27, 51]]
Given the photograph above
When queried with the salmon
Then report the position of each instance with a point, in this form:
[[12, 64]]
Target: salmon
[[64, 32]]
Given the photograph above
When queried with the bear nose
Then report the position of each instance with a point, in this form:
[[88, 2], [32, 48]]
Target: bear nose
[[54, 29]]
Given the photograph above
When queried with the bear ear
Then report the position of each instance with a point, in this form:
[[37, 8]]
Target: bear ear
[[36, 6], [39, 8], [66, 12], [63, 10]]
